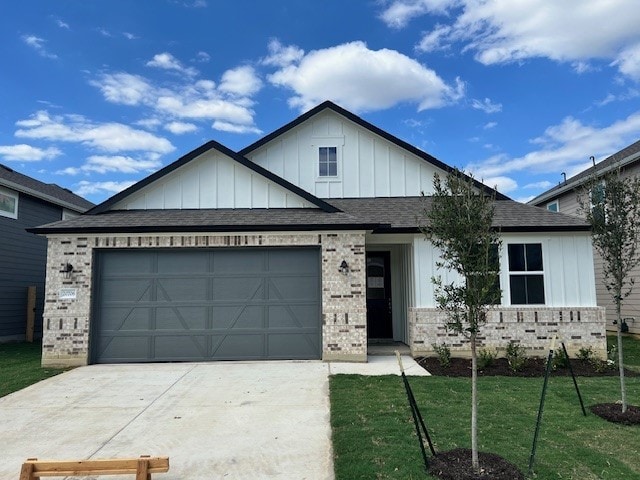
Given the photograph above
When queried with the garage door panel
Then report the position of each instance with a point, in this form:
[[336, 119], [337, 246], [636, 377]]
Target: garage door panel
[[293, 288], [124, 319], [126, 290], [240, 347], [206, 304], [296, 345], [293, 316], [180, 347], [177, 262], [238, 317], [237, 288], [182, 289], [121, 263], [181, 318]]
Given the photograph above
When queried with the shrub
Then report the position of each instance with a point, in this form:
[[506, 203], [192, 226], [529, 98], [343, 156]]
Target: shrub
[[586, 354], [559, 359], [444, 354], [486, 358], [515, 356]]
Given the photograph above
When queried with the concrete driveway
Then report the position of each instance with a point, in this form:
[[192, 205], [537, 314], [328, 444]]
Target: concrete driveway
[[232, 420]]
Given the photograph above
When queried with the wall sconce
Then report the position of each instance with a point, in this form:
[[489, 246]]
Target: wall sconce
[[344, 268], [67, 270]]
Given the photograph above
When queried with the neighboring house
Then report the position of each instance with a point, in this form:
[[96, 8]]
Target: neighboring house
[[564, 198], [24, 203], [304, 245]]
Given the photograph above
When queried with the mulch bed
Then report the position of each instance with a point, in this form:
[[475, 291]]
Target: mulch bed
[[456, 465], [534, 367], [612, 412]]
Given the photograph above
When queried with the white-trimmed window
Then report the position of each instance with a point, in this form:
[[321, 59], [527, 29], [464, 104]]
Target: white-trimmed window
[[8, 203], [327, 161], [553, 206], [526, 274]]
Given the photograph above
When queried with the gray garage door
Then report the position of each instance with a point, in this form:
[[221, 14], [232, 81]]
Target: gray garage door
[[194, 305]]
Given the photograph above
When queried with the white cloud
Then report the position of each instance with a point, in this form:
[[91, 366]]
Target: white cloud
[[130, 36], [542, 185], [62, 24], [564, 147], [490, 125], [123, 88], [241, 82], [501, 183], [115, 163], [89, 188], [234, 128], [27, 153], [486, 105], [400, 12], [150, 123], [178, 128], [501, 31], [167, 61], [110, 137], [37, 44], [203, 57], [281, 56], [104, 32], [361, 79]]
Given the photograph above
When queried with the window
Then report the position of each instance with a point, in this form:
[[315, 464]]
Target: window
[[526, 288], [8, 203], [598, 203], [328, 161], [553, 206]]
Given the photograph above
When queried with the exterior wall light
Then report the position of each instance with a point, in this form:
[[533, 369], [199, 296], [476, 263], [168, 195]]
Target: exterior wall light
[[67, 270], [344, 268]]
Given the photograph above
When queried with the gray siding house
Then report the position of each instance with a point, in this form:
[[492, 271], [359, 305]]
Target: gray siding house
[[25, 203], [304, 245], [563, 198]]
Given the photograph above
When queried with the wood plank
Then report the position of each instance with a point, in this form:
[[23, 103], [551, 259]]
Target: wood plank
[[61, 468], [31, 312]]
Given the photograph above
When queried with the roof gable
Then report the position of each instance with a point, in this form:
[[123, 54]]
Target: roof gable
[[402, 159], [212, 176], [48, 192]]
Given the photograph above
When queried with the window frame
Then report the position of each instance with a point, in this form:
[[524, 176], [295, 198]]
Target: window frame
[[526, 272], [328, 161], [11, 195], [552, 204], [319, 142]]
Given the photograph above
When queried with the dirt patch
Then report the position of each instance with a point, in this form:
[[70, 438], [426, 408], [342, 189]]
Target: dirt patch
[[612, 412], [456, 465], [533, 367]]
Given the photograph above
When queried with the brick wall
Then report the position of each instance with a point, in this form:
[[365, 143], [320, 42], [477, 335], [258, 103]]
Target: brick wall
[[67, 325], [531, 327]]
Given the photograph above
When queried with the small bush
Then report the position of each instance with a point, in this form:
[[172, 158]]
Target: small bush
[[559, 360], [586, 354], [444, 354], [515, 356], [486, 358], [612, 355]]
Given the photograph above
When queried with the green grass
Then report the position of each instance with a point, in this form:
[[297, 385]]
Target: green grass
[[630, 349], [374, 436], [20, 366]]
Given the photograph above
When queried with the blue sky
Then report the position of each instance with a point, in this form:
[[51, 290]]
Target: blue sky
[[95, 95]]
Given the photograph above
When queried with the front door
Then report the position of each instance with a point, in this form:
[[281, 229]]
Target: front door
[[379, 296]]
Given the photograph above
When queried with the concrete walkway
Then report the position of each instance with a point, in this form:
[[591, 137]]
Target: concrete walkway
[[232, 420]]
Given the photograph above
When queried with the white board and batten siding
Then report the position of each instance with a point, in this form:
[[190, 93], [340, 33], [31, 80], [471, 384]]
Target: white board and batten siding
[[567, 262], [368, 165], [212, 181]]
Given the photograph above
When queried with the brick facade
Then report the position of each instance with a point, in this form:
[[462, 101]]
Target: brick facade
[[531, 327], [66, 325]]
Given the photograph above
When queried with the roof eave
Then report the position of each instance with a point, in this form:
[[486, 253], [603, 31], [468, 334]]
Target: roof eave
[[42, 196]]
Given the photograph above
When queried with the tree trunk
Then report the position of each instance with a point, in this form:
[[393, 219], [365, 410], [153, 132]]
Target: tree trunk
[[623, 389], [474, 406]]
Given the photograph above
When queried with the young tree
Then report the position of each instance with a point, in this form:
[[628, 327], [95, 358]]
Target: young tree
[[459, 224], [611, 204]]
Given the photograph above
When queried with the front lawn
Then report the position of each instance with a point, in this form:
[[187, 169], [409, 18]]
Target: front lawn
[[20, 366], [374, 436], [630, 349]]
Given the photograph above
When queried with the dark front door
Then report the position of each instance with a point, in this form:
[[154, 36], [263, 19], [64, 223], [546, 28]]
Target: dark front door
[[378, 296]]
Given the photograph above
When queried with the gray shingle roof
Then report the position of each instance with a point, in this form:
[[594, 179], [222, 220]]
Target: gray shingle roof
[[377, 214], [626, 156], [46, 191]]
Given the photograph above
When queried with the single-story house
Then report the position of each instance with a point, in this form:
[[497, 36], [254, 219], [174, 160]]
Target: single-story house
[[303, 245], [564, 198], [24, 203]]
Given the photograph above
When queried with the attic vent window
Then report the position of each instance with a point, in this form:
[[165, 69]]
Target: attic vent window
[[328, 161]]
